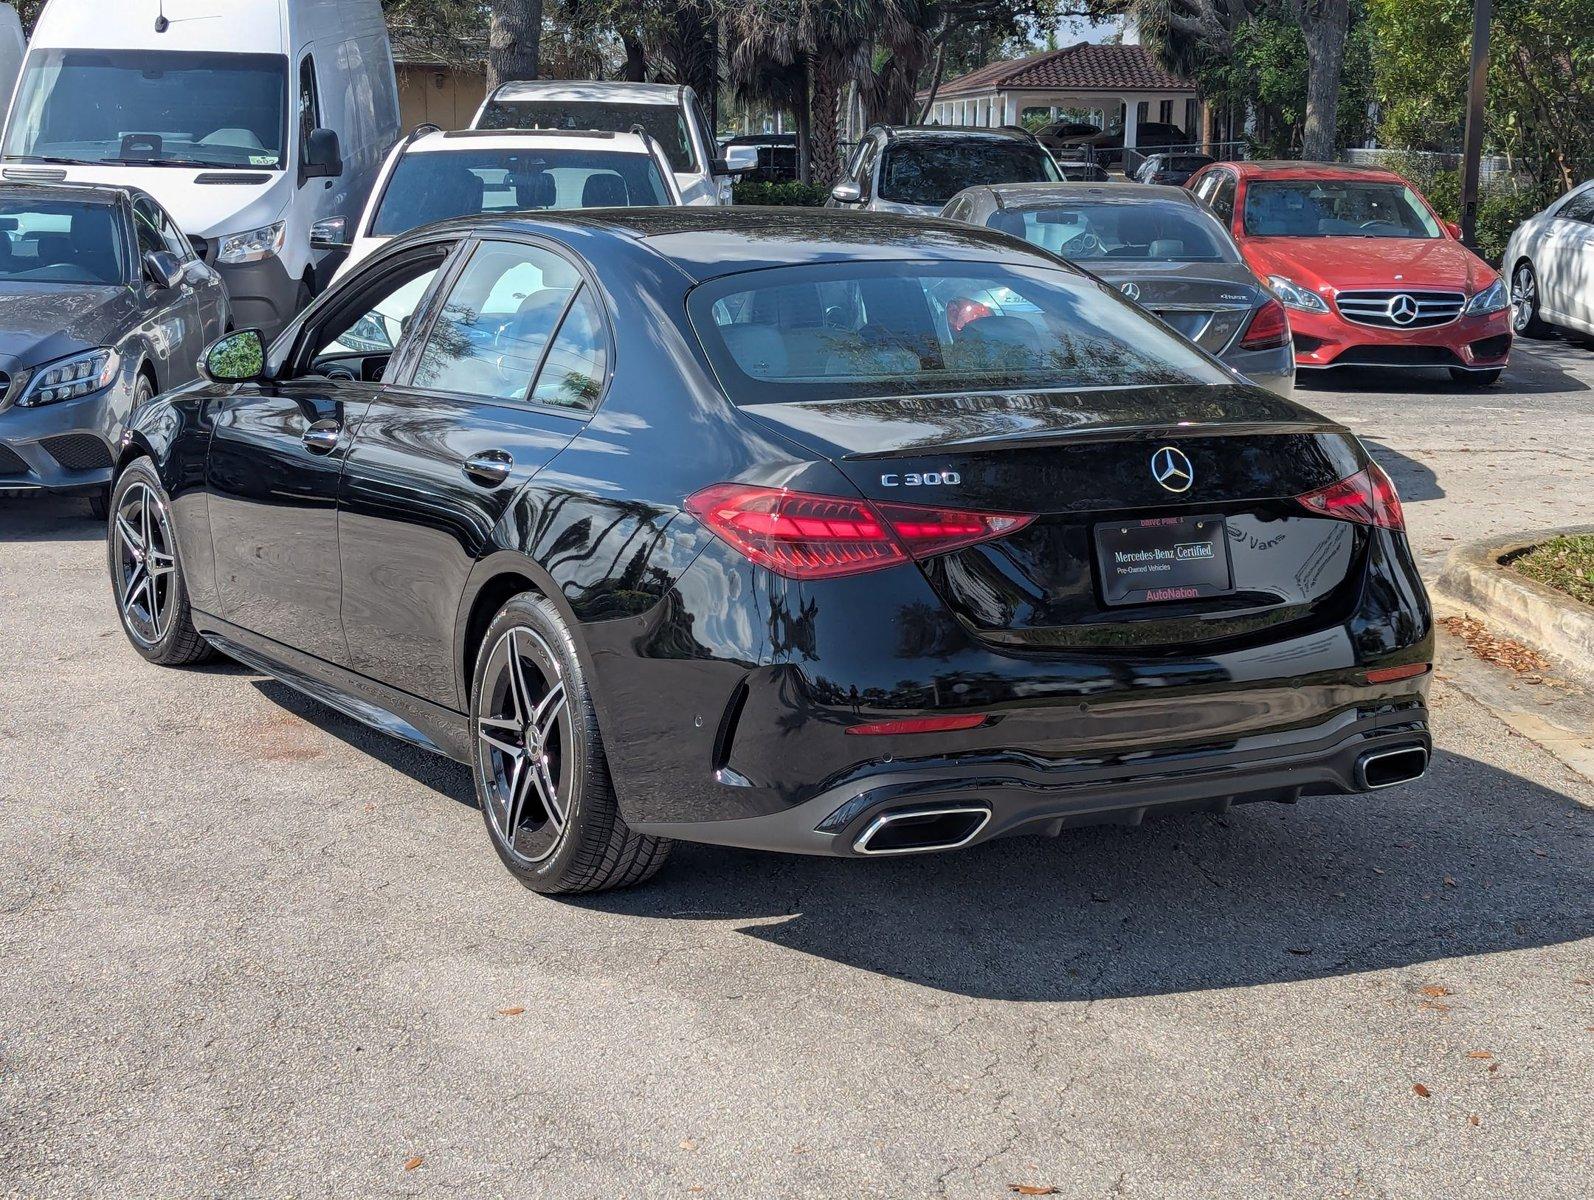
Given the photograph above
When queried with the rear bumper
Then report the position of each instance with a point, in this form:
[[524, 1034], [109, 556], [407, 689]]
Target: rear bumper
[[1467, 343], [1012, 794]]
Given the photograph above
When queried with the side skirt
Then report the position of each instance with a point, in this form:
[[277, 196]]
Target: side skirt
[[408, 718]]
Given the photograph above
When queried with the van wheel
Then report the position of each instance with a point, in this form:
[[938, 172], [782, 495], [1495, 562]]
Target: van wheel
[[541, 776]]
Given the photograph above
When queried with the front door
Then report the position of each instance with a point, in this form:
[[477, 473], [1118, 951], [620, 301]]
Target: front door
[[278, 451], [508, 373]]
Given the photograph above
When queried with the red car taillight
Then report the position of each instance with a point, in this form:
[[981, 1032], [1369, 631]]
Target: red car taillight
[[1269, 327], [805, 536], [1367, 497]]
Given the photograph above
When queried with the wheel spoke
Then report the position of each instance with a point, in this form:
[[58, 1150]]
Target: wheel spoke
[[143, 515], [548, 709], [519, 688], [152, 604], [159, 563], [542, 780], [498, 744], [515, 801], [130, 538], [135, 585]]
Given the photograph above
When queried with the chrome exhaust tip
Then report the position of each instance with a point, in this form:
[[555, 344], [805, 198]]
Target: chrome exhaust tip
[[922, 830], [1390, 768]]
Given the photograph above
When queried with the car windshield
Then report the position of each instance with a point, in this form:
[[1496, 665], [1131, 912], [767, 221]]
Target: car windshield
[[61, 241], [155, 107], [433, 185], [665, 123], [1139, 231], [848, 330], [1335, 208], [933, 171]]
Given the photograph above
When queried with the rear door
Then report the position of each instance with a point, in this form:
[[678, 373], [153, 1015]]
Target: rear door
[[514, 360]]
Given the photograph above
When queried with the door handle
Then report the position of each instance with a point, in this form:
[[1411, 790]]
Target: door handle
[[489, 468], [322, 437]]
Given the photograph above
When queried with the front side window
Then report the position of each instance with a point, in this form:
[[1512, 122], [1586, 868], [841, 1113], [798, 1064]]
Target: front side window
[[309, 103], [850, 330], [1336, 208], [1580, 207], [150, 107], [933, 171], [433, 185], [147, 225], [1121, 232], [666, 123], [61, 241], [497, 320]]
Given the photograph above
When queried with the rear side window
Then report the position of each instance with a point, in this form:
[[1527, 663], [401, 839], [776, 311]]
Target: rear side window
[[1222, 197], [496, 322], [1119, 231], [666, 123], [851, 330], [933, 171], [572, 375]]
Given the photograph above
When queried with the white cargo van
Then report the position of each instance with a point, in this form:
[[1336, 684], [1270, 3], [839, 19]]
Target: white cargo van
[[670, 113], [259, 124], [12, 47]]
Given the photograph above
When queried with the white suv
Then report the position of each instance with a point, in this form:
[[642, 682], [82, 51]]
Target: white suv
[[669, 112], [433, 175]]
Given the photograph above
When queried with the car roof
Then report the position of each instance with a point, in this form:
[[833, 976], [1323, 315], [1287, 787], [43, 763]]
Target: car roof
[[711, 241], [910, 133], [526, 139], [610, 89], [1019, 195], [1290, 169]]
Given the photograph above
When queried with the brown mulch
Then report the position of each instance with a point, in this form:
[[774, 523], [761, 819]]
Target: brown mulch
[[1490, 647]]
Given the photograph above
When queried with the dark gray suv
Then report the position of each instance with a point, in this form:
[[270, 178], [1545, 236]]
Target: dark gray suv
[[103, 304], [915, 169]]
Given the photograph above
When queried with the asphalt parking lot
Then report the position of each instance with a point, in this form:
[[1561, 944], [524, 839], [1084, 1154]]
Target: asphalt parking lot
[[251, 949]]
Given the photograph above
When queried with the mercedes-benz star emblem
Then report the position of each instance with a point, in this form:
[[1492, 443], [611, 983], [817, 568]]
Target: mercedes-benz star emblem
[[1172, 469], [1402, 309], [1132, 290]]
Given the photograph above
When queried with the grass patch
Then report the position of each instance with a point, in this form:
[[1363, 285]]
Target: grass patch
[[1564, 563]]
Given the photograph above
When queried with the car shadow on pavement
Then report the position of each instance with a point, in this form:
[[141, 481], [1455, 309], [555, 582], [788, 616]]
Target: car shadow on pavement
[[1414, 480], [1529, 374], [25, 517], [1473, 860]]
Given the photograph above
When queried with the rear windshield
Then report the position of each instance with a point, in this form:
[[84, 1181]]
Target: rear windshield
[[57, 241], [932, 172], [1335, 208], [1108, 232], [666, 123], [433, 185], [921, 328]]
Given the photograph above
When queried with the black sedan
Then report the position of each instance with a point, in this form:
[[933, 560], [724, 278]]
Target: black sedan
[[103, 303], [760, 528]]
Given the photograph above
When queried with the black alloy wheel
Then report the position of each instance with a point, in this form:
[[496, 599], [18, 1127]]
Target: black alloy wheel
[[147, 581], [541, 777]]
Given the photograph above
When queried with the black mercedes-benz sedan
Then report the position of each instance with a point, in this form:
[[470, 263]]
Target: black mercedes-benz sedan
[[762, 528]]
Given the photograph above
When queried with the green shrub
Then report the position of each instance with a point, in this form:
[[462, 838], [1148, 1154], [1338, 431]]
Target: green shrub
[[790, 193]]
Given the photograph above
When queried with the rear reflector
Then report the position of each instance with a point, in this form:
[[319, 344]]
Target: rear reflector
[[805, 536], [962, 311], [1367, 497], [918, 725], [1269, 327], [1390, 674]]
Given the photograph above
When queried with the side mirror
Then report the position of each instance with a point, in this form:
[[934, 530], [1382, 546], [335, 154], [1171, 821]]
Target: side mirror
[[330, 234], [740, 158], [847, 192], [1452, 229], [720, 167], [323, 158], [162, 268], [238, 357]]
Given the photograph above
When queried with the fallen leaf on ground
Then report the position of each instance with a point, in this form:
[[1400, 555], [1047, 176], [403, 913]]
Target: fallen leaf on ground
[[1421, 1090], [1479, 1054], [413, 1161], [688, 1144], [513, 1011], [1033, 1189], [1433, 1006], [1450, 881], [1472, 1119], [1434, 989], [1299, 949], [1502, 651]]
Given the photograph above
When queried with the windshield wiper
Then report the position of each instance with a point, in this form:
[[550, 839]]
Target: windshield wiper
[[196, 163], [55, 158]]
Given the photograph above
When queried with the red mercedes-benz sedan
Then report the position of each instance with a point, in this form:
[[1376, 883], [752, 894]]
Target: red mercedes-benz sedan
[[1372, 277]]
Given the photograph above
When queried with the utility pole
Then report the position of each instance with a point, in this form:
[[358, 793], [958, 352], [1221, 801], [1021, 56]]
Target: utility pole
[[1472, 142]]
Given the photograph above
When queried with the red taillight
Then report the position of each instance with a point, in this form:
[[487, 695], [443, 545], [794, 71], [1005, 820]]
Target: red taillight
[[962, 311], [1269, 327], [804, 536], [1391, 674], [1367, 497], [918, 725]]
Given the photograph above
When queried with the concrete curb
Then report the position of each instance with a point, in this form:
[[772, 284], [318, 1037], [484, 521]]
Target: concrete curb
[[1547, 620]]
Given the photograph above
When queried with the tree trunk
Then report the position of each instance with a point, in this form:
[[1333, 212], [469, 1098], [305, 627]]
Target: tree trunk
[[805, 144], [513, 40], [636, 58], [935, 82], [1324, 22], [825, 148]]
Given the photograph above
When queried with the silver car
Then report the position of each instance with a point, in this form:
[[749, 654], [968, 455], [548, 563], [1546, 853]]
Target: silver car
[[1550, 263], [915, 169], [1161, 248]]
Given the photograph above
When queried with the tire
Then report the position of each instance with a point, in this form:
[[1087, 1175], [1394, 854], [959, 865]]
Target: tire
[[1525, 320], [551, 813], [1476, 378], [153, 608]]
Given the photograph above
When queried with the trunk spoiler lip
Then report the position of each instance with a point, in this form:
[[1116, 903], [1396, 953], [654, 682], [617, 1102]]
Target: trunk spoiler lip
[[1103, 433]]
